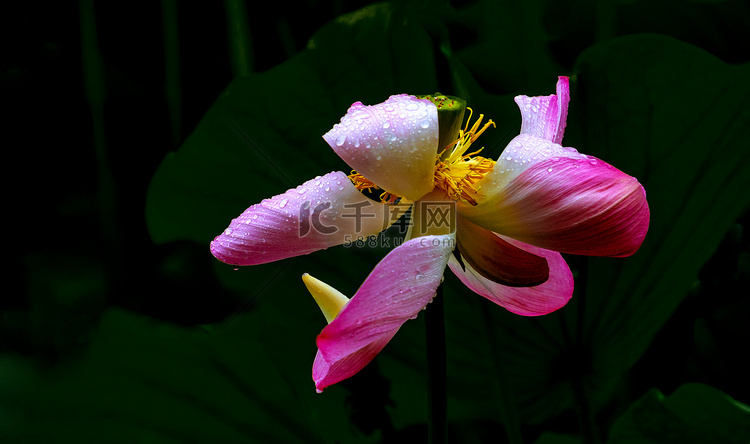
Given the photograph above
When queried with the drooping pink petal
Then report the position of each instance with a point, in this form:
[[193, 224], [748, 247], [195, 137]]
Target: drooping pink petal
[[576, 204], [393, 143], [545, 116], [525, 301], [399, 287], [498, 260], [328, 372], [318, 214]]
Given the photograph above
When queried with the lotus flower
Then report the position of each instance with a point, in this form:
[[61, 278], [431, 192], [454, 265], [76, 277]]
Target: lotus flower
[[513, 218]]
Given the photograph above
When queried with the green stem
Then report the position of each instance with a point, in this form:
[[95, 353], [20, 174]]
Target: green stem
[[95, 89], [586, 417], [172, 81], [437, 415], [506, 403], [604, 24], [587, 424], [240, 41]]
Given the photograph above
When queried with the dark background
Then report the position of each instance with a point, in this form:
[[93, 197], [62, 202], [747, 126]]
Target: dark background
[[118, 326]]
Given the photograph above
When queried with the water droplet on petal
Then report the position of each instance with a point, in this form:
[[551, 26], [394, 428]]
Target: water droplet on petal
[[283, 203], [386, 125], [340, 140], [424, 123]]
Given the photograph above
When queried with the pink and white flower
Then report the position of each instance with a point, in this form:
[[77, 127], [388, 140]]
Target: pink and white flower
[[514, 216]]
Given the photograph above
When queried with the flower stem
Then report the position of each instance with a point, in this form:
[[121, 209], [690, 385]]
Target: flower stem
[[437, 421], [95, 87], [586, 421], [240, 40], [507, 404], [172, 79]]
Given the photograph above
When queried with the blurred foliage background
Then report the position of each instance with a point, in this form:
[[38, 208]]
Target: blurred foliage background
[[139, 130]]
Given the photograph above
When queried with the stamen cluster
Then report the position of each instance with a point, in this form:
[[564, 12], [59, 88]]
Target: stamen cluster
[[364, 184], [455, 171]]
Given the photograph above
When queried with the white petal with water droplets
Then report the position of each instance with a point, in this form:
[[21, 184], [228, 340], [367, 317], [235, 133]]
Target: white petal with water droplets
[[393, 143]]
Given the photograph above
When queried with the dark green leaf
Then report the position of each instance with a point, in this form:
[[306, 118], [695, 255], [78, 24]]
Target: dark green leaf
[[695, 413]]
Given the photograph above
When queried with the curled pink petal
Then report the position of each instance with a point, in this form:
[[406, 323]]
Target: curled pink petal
[[526, 301], [318, 214], [393, 143], [545, 116], [399, 287], [568, 204], [331, 372]]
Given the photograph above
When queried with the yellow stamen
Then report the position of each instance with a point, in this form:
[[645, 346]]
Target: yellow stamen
[[364, 184], [455, 171], [458, 179], [330, 300]]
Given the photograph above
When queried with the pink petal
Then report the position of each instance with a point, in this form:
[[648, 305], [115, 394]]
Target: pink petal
[[399, 287], [521, 153], [393, 143], [327, 373], [545, 116], [525, 301], [318, 214], [575, 204], [498, 260]]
